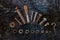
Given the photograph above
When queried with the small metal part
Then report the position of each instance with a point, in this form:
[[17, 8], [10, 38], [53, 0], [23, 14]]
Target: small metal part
[[32, 31], [18, 21], [50, 31], [12, 24], [32, 15], [42, 31], [35, 16], [27, 31], [14, 31], [26, 7], [54, 25], [20, 15], [38, 17], [20, 31], [46, 31], [26, 11], [37, 31], [46, 24], [44, 19]]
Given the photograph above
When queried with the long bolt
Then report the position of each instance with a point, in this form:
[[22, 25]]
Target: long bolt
[[35, 16], [32, 15], [20, 15], [26, 11]]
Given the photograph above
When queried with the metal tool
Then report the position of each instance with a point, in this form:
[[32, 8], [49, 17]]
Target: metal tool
[[18, 21], [44, 19], [26, 11], [32, 15], [35, 16], [20, 15], [38, 17]]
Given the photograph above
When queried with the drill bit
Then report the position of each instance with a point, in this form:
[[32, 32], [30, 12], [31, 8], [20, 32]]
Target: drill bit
[[20, 15], [26, 11]]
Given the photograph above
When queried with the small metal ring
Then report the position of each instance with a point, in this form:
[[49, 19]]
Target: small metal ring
[[42, 31], [12, 24], [37, 31], [32, 31], [20, 31], [14, 31], [27, 31]]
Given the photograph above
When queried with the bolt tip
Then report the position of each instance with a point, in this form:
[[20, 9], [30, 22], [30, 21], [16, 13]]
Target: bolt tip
[[25, 7]]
